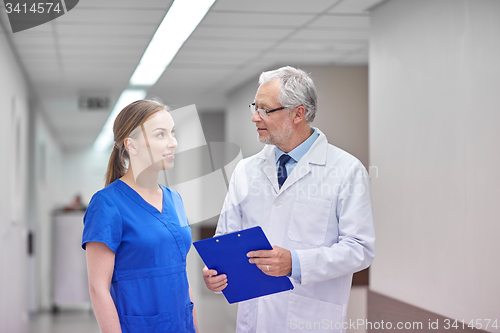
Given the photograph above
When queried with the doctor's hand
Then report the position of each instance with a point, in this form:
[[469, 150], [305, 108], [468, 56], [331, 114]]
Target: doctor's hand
[[213, 281], [275, 262]]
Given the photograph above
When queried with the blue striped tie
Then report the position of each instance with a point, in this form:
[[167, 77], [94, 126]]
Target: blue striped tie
[[282, 170]]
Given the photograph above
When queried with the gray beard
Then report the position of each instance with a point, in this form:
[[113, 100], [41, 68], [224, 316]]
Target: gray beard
[[266, 141], [283, 136]]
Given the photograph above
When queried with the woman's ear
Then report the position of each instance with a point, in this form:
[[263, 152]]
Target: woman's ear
[[130, 146]]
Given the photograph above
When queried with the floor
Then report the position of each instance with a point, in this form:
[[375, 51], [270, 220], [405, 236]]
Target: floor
[[74, 321]]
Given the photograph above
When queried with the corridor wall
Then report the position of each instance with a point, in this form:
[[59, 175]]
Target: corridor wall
[[14, 111], [435, 138], [30, 189]]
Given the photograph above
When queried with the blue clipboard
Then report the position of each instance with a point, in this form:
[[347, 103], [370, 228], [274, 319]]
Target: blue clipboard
[[227, 254]]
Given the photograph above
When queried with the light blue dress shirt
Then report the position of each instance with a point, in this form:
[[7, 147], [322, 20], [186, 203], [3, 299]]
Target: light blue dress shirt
[[296, 154]]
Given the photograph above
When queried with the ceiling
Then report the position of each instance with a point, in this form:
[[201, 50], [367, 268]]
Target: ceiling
[[93, 50]]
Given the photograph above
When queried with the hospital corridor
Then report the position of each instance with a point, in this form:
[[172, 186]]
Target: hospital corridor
[[355, 141]]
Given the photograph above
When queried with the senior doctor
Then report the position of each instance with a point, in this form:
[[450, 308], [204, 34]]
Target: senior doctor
[[313, 202]]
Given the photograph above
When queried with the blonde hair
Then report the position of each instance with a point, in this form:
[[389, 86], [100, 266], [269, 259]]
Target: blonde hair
[[126, 124]]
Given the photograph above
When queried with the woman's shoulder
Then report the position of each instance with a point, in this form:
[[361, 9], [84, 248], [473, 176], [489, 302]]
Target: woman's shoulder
[[176, 196], [169, 190], [106, 194]]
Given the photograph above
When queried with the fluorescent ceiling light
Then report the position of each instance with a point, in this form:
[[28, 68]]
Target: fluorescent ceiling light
[[106, 137], [181, 20], [177, 25]]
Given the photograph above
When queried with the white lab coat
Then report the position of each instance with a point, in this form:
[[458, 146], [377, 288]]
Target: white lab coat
[[324, 212]]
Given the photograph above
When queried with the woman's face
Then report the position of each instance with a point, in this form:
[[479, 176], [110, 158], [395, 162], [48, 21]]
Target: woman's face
[[155, 142]]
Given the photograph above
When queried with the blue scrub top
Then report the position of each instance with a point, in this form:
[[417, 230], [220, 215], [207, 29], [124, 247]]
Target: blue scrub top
[[149, 285]]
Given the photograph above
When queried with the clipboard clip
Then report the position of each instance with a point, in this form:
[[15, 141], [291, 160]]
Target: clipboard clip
[[232, 232]]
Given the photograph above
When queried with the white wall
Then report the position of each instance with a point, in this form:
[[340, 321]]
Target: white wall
[[343, 106], [435, 138], [239, 127], [48, 184], [30, 188], [342, 110], [14, 112], [84, 173]]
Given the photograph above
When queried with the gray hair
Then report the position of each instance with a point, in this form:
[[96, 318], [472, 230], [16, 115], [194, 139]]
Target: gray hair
[[297, 88]]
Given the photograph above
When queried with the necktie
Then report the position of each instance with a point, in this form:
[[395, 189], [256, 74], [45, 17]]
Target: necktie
[[281, 169]]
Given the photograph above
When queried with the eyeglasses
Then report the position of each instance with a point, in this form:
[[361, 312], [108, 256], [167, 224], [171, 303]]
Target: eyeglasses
[[263, 113]]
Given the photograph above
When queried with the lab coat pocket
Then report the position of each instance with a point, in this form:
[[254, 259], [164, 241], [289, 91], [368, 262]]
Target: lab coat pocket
[[309, 220], [146, 324], [311, 315]]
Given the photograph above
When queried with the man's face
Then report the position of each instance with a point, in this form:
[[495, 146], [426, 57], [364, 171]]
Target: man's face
[[276, 128]]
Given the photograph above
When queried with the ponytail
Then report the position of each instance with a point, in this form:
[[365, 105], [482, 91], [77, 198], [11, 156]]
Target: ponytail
[[116, 165]]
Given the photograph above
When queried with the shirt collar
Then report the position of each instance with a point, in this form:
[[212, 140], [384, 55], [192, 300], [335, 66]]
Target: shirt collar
[[298, 152]]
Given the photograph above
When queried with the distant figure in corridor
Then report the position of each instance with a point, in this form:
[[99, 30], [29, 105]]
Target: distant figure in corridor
[[313, 202], [136, 232]]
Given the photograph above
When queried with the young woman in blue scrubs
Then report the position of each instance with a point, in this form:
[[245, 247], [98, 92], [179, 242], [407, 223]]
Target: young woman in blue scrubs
[[136, 233]]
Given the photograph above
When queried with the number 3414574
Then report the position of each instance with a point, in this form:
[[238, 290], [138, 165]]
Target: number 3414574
[[35, 8], [474, 323]]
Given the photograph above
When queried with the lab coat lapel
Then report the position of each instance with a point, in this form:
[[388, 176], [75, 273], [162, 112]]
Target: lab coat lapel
[[268, 165], [315, 155]]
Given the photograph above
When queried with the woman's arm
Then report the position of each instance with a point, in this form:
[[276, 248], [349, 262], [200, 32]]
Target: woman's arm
[[100, 264], [194, 312]]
